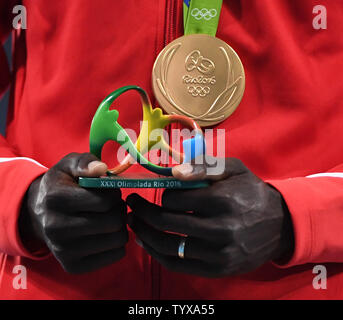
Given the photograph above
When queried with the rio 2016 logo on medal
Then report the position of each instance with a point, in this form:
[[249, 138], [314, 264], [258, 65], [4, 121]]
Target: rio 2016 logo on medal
[[199, 76]]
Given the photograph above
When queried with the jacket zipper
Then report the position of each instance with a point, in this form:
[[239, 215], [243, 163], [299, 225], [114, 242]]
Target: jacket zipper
[[170, 32]]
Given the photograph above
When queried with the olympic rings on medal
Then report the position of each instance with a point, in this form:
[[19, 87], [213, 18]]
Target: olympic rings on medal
[[199, 91], [204, 13]]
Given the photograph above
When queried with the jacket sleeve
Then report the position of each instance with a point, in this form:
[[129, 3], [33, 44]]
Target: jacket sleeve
[[16, 173], [316, 206]]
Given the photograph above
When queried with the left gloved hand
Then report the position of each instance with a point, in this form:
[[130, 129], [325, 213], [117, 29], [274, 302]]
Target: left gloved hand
[[234, 226]]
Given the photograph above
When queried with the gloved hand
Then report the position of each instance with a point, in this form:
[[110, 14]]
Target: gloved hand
[[232, 227], [85, 229]]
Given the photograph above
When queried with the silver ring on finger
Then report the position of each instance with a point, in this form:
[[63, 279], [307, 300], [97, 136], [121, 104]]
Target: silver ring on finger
[[181, 251]]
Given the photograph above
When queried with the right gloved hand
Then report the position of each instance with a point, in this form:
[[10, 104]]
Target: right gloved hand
[[85, 229]]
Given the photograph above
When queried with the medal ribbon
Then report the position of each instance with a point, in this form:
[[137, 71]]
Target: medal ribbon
[[201, 16]]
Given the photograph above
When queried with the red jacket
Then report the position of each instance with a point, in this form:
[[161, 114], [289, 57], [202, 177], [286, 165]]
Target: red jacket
[[288, 126]]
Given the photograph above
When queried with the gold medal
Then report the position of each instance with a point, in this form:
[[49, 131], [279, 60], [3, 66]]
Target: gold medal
[[199, 76]]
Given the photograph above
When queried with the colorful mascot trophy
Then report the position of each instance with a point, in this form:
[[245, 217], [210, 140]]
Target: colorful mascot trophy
[[105, 127]]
